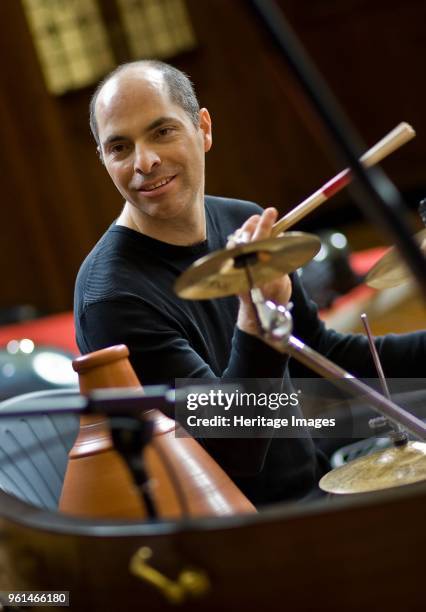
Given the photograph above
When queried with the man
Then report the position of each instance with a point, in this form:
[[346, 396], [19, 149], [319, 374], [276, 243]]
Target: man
[[152, 138]]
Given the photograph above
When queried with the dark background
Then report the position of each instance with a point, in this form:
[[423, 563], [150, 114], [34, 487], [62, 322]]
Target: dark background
[[269, 145]]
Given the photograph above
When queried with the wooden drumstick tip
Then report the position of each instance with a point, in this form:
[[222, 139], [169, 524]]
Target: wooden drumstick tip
[[406, 127], [397, 137]]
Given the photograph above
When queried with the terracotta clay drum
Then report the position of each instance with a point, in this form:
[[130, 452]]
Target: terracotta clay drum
[[183, 479]]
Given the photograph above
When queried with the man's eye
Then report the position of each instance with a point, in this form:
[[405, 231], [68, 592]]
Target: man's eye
[[117, 148], [165, 131]]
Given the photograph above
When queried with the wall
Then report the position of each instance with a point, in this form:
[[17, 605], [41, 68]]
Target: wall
[[268, 143]]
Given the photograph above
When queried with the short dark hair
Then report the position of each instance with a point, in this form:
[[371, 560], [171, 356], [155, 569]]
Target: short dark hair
[[180, 89]]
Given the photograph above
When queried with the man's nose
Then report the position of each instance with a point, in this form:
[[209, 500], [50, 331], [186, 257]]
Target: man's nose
[[146, 160]]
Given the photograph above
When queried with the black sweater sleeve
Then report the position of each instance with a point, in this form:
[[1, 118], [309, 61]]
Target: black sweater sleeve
[[159, 353], [402, 355]]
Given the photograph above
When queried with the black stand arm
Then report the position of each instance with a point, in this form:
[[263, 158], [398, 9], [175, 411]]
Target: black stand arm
[[375, 193]]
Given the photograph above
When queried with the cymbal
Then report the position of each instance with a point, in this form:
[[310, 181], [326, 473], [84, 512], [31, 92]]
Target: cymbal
[[217, 275], [384, 469], [390, 270]]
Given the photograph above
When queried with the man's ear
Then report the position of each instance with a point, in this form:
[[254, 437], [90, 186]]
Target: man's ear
[[206, 127], [99, 152]]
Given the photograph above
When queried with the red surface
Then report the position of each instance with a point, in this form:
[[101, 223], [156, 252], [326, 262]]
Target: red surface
[[361, 263], [56, 331]]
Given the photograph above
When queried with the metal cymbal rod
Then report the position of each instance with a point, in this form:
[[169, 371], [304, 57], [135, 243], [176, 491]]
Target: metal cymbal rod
[[397, 433], [275, 322], [375, 355], [323, 366]]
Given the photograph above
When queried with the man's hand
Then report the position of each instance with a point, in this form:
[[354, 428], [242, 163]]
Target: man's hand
[[258, 227]]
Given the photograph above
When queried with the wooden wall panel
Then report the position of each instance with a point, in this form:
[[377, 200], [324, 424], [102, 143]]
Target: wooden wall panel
[[372, 54], [263, 128], [268, 144], [40, 180]]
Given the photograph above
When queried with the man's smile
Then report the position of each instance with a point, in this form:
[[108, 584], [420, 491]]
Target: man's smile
[[156, 187]]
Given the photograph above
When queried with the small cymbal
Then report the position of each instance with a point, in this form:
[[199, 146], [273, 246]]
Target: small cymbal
[[390, 270], [392, 467], [217, 275]]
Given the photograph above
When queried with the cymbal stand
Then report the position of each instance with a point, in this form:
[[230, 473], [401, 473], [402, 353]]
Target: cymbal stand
[[397, 434], [276, 323]]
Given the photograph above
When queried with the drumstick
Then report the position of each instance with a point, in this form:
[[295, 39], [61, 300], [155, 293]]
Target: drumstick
[[387, 145]]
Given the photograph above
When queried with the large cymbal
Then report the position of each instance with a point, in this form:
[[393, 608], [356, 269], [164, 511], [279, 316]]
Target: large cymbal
[[390, 270], [391, 467], [216, 275]]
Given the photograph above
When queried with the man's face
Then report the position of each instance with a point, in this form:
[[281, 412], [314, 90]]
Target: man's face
[[150, 147]]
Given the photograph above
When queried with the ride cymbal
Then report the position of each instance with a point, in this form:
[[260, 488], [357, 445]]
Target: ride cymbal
[[220, 273], [390, 270], [391, 467]]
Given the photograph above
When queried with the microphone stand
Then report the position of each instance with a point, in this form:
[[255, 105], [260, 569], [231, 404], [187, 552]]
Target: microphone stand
[[112, 402], [130, 431], [375, 193], [130, 435], [126, 408]]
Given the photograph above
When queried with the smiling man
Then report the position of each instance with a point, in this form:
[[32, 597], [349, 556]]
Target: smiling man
[[153, 149], [152, 138]]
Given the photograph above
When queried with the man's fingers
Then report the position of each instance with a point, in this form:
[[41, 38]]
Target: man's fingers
[[257, 227], [264, 226], [250, 225], [243, 233]]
